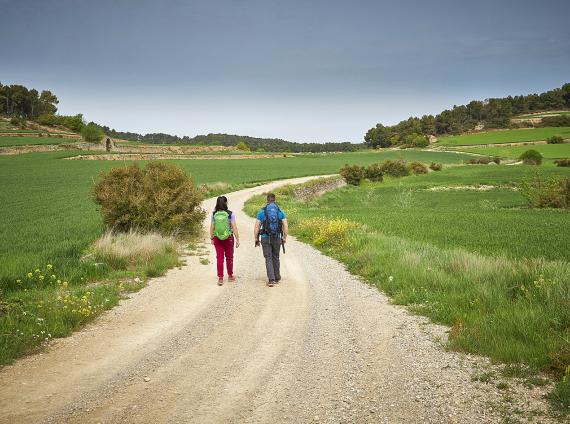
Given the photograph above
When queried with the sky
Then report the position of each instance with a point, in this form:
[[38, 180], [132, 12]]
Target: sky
[[301, 70]]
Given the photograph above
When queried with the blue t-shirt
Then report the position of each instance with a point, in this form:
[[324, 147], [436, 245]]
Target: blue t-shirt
[[261, 218]]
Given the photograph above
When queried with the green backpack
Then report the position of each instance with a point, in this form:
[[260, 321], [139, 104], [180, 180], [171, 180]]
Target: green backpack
[[222, 229]]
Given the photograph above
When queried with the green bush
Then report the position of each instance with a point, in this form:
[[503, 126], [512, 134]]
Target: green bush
[[546, 193], [483, 160], [531, 157], [242, 146], [395, 168], [47, 119], [160, 197], [353, 174], [555, 139], [434, 166], [18, 122], [92, 133], [562, 162], [417, 168], [374, 173]]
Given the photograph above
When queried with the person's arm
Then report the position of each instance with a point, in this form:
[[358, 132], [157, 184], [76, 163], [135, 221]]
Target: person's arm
[[235, 231], [285, 229], [256, 231], [212, 232]]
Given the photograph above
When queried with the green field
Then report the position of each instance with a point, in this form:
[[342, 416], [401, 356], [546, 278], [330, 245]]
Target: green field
[[506, 136], [28, 141], [48, 216], [549, 151], [481, 262], [12, 130]]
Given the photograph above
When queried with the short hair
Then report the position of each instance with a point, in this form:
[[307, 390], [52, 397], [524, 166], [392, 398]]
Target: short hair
[[271, 197]]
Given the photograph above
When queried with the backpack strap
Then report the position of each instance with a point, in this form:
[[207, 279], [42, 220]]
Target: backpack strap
[[265, 227]]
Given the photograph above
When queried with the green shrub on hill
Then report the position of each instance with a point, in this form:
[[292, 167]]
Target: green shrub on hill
[[160, 197], [562, 162], [434, 166], [546, 193], [91, 133], [374, 173], [555, 139], [395, 168], [418, 168], [531, 157], [353, 174]]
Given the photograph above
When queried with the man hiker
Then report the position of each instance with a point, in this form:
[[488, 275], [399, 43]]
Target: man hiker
[[271, 227]]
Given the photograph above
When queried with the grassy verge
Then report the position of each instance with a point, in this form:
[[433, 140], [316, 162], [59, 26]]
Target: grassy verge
[[511, 304], [43, 305], [548, 151]]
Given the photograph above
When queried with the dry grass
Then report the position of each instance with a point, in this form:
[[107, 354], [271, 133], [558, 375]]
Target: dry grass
[[132, 249]]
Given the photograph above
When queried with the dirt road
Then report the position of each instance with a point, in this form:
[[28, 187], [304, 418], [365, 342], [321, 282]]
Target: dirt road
[[320, 347]]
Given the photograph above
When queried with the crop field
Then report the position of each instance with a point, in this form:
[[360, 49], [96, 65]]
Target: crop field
[[49, 217], [548, 151], [28, 141], [461, 247], [506, 136]]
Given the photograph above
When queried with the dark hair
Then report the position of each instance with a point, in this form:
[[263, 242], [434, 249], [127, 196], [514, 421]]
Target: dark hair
[[271, 197], [221, 204]]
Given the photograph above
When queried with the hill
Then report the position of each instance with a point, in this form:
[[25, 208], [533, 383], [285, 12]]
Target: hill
[[492, 113]]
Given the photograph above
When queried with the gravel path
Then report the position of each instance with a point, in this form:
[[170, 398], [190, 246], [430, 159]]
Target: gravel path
[[320, 347]]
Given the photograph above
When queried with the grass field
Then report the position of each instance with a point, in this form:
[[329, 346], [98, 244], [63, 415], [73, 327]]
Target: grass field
[[480, 262], [49, 217], [548, 151], [28, 141], [506, 136]]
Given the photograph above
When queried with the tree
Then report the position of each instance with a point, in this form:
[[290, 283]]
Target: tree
[[242, 146], [92, 133], [48, 102]]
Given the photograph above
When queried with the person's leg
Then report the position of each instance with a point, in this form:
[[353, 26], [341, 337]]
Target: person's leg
[[229, 251], [268, 255], [275, 250], [218, 244]]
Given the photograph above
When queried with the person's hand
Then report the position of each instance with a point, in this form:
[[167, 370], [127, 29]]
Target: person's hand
[[237, 244], [257, 243], [284, 239], [212, 241]]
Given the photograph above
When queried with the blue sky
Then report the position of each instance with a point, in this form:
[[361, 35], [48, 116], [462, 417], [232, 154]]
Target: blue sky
[[300, 70]]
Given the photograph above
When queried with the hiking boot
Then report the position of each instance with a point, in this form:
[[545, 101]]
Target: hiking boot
[[220, 281], [231, 278], [270, 283], [277, 280]]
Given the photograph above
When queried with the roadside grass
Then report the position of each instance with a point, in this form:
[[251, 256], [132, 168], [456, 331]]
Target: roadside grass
[[29, 141], [504, 136], [549, 151], [495, 272]]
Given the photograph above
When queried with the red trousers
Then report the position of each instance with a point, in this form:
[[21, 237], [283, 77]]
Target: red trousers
[[224, 248]]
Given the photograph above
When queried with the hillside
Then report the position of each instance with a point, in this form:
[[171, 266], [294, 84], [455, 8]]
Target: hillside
[[495, 113]]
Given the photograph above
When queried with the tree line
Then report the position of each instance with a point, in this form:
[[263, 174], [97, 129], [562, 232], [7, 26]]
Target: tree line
[[490, 113], [18, 101]]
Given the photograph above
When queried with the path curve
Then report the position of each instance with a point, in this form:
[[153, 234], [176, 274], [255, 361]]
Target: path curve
[[320, 347]]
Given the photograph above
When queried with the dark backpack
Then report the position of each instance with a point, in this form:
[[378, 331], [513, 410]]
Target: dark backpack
[[272, 225]]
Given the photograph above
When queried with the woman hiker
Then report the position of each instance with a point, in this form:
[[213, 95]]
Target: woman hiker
[[223, 232]]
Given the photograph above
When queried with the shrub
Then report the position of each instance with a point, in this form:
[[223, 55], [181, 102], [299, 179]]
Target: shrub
[[47, 119], [418, 168], [436, 166], [160, 197], [531, 157], [562, 162], [374, 173], [549, 193], [242, 146], [555, 121], [482, 160], [18, 122], [555, 139], [353, 174], [395, 168], [92, 133]]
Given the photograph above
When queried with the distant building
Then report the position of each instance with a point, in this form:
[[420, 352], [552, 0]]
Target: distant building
[[107, 143]]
